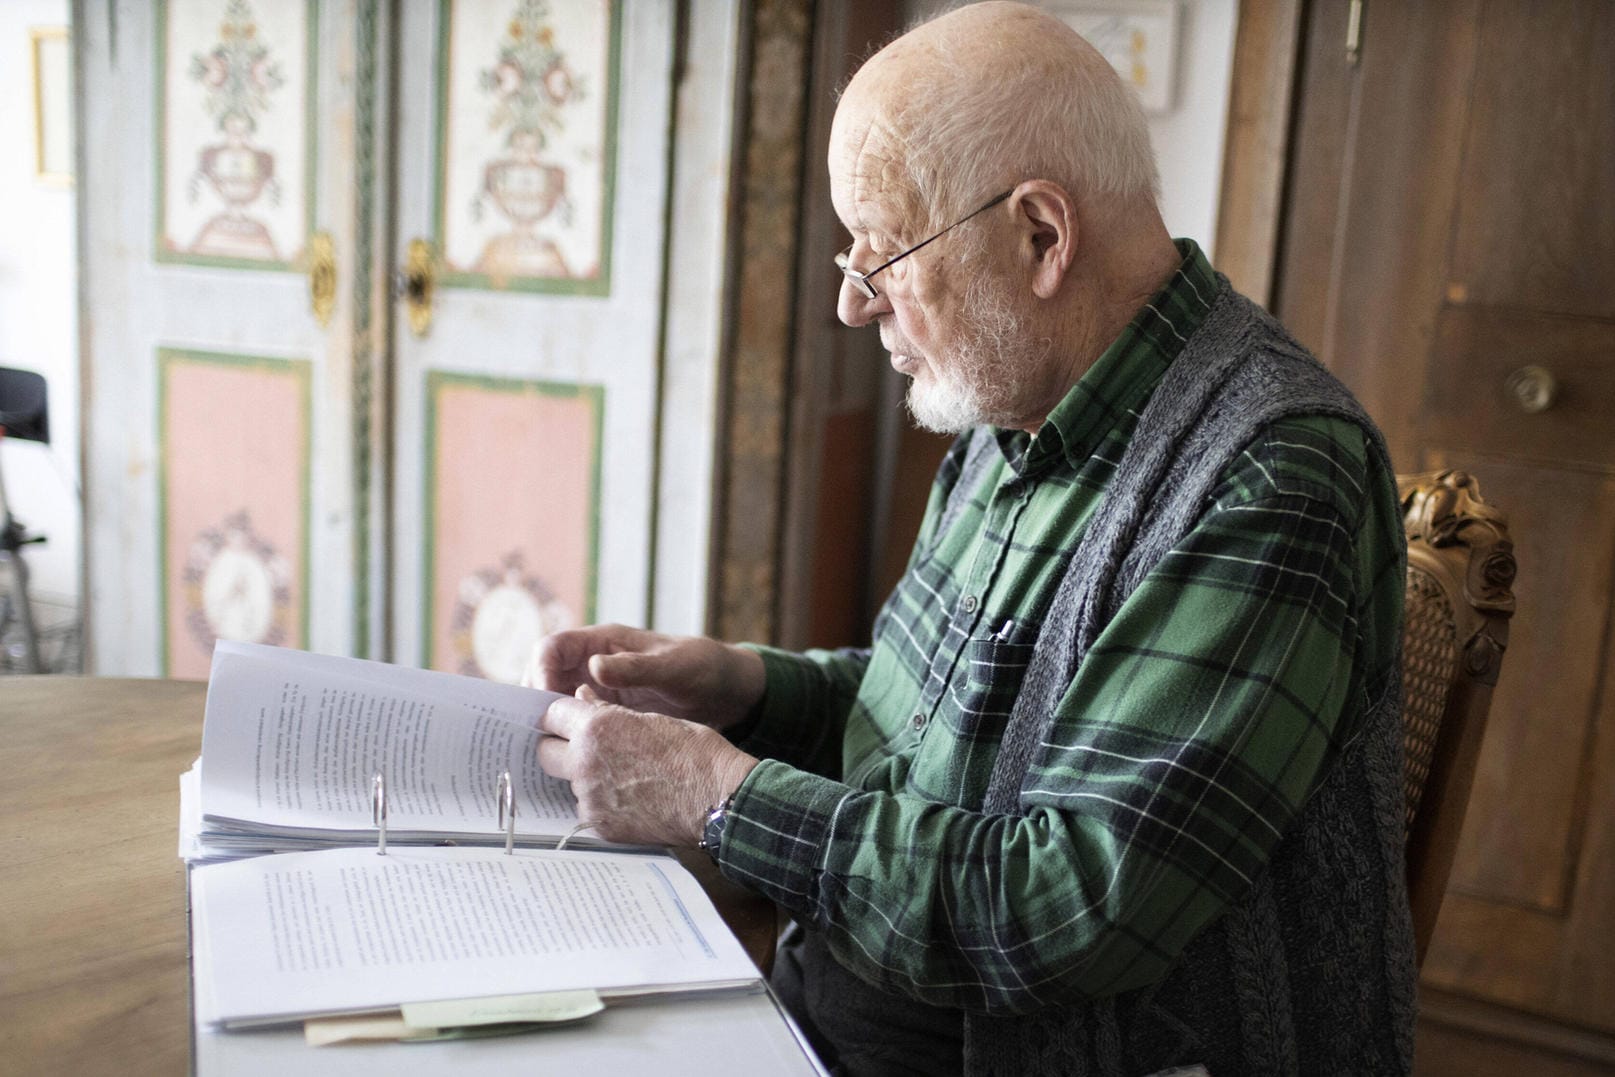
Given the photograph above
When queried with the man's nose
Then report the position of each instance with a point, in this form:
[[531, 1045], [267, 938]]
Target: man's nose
[[856, 309]]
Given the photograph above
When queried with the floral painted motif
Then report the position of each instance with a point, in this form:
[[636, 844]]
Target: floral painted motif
[[239, 77], [530, 85], [501, 613], [237, 586], [237, 72], [531, 81]]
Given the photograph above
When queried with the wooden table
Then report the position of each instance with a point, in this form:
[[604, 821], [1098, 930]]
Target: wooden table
[[94, 973]]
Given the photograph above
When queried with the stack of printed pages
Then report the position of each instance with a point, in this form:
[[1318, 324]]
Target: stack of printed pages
[[291, 746]]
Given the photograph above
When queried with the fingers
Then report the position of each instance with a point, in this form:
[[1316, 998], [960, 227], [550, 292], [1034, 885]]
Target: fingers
[[564, 717], [628, 669], [641, 777], [556, 758], [560, 661], [561, 723]]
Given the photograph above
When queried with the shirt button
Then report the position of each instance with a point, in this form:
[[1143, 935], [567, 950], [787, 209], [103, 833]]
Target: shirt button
[[969, 604], [918, 721]]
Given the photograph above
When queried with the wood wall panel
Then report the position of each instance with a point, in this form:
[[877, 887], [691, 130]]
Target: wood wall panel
[[1445, 1051], [1533, 227], [1509, 923], [837, 439], [1467, 403], [1384, 278], [1318, 146], [1254, 161], [838, 607], [1586, 975], [757, 368], [1448, 221]]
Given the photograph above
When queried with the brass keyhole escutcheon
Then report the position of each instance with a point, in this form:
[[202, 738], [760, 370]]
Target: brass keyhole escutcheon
[[420, 283], [1533, 388], [322, 277]]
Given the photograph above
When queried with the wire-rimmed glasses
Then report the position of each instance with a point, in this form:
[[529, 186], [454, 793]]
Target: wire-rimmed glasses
[[860, 280]]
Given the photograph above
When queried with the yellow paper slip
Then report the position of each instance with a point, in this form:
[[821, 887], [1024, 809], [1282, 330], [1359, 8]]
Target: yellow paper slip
[[546, 1007], [455, 1018], [326, 1031]]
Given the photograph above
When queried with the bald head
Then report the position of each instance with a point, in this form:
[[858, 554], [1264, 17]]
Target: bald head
[[987, 96], [998, 182]]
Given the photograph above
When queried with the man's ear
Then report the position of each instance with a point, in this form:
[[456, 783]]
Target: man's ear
[[1047, 218]]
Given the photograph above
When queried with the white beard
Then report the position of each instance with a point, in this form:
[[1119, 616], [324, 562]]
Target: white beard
[[978, 380]]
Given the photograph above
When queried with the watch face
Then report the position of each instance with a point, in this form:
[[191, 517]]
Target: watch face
[[499, 615], [712, 831], [236, 586]]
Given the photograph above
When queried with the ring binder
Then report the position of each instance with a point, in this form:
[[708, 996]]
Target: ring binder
[[478, 730], [378, 811], [264, 907], [574, 832], [506, 796]]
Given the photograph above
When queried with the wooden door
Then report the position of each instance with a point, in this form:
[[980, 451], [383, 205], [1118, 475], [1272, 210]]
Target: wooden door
[[533, 173], [1449, 249], [513, 435], [220, 481]]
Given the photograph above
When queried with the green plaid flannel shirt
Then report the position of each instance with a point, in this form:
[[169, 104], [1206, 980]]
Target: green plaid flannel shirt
[[1191, 736]]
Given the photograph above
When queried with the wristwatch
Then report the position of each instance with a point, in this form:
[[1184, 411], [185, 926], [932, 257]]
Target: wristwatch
[[712, 830]]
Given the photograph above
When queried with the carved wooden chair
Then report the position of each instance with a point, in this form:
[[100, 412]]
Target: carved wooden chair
[[1459, 601]]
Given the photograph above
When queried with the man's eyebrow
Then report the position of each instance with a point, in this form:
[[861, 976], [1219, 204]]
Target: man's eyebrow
[[870, 215]]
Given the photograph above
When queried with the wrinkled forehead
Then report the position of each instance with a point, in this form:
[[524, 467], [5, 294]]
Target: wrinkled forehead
[[869, 183]]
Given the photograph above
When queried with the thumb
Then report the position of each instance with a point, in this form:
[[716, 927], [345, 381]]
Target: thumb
[[630, 669]]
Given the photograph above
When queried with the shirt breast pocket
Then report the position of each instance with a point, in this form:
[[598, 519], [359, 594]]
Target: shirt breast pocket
[[994, 667]]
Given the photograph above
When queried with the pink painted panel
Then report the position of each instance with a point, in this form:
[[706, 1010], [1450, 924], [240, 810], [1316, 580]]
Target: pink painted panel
[[512, 503], [234, 436]]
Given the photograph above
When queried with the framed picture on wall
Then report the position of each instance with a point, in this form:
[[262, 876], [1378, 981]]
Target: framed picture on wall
[[1138, 37], [53, 104]]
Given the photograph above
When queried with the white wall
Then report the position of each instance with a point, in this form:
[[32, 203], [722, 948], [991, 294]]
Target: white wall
[[38, 328], [1188, 137]]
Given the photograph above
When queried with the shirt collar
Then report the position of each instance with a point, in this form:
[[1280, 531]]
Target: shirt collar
[[1125, 374]]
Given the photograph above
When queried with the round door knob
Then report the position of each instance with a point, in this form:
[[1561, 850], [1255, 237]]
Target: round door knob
[[1532, 388]]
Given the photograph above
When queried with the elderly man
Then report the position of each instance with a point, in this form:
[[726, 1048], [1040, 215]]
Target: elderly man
[[1117, 788]]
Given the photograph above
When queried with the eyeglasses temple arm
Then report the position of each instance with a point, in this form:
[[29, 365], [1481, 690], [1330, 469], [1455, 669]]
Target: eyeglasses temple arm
[[983, 208]]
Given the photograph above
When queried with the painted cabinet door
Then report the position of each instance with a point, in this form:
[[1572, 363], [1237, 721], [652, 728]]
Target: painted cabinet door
[[441, 474], [218, 472], [533, 141]]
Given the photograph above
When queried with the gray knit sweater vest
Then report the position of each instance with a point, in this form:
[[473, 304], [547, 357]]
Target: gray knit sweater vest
[[1312, 971]]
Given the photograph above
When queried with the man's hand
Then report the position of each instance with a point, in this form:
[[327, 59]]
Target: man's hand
[[643, 778], [688, 677]]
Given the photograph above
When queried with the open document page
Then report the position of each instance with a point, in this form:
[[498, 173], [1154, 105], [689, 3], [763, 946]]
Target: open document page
[[342, 930], [291, 741]]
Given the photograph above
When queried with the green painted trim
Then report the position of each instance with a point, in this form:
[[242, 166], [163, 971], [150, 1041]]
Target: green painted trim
[[653, 552], [159, 127], [301, 371], [311, 119], [599, 285], [436, 381], [362, 352], [311, 19], [440, 136], [165, 661], [609, 195]]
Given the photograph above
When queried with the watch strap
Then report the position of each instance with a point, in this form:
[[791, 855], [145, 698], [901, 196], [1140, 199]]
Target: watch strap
[[712, 829]]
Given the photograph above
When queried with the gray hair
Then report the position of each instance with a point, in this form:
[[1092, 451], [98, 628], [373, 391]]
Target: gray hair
[[1076, 124]]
